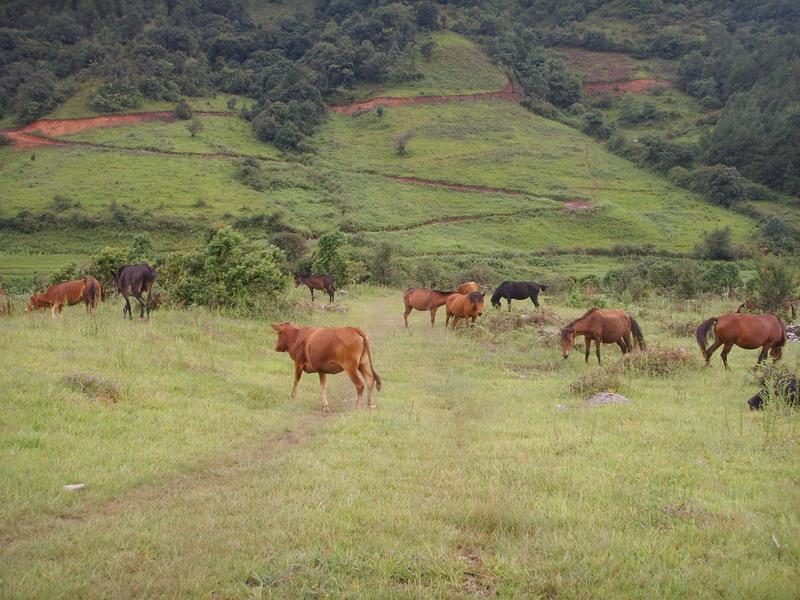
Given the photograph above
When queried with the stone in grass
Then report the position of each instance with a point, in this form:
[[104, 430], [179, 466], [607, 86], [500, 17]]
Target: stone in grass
[[604, 398], [74, 487]]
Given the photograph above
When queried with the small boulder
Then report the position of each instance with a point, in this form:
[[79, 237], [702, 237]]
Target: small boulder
[[603, 398]]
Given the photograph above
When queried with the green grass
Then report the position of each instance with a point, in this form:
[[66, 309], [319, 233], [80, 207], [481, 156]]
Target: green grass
[[204, 478], [457, 66]]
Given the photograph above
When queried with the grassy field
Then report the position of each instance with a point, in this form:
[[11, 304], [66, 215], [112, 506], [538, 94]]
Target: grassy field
[[457, 66], [480, 473]]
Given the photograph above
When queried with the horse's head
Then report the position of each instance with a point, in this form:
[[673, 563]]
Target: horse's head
[[286, 335], [477, 300], [567, 337], [298, 279]]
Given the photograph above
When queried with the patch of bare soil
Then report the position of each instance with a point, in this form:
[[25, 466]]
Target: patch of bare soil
[[477, 580], [632, 86], [509, 93]]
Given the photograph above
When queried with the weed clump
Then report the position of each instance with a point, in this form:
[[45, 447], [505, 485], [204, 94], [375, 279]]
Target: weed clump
[[93, 386], [597, 381]]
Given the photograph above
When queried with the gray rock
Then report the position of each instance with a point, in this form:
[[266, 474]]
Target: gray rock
[[606, 398], [74, 487]]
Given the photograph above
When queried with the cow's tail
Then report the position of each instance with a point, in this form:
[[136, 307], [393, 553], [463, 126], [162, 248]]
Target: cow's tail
[[368, 350]]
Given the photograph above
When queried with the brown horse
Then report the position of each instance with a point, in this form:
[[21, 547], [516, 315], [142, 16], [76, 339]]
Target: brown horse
[[422, 299], [787, 304], [467, 287], [607, 326], [320, 281], [92, 293], [464, 306], [746, 331]]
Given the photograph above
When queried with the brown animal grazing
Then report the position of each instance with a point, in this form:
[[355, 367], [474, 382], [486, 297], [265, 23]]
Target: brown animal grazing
[[56, 296], [464, 306], [321, 281], [606, 326], [467, 287], [329, 350], [422, 299], [5, 303], [135, 280], [92, 293], [787, 304], [744, 330]]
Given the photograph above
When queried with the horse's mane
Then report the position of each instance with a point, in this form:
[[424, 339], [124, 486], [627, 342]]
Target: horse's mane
[[476, 296], [571, 325]]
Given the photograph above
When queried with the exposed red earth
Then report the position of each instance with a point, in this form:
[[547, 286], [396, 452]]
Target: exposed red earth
[[618, 88], [508, 93], [458, 187], [42, 132]]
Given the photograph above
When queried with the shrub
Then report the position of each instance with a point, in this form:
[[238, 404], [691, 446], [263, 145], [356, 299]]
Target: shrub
[[380, 264], [773, 282], [716, 245], [182, 110], [330, 258], [720, 184], [401, 143], [195, 126], [722, 278]]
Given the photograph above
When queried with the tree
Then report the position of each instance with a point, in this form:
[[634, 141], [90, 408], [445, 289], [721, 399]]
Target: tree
[[722, 278], [773, 282], [427, 16], [141, 249], [36, 96], [182, 111], [195, 126], [329, 258], [426, 50], [401, 143], [716, 245], [381, 268]]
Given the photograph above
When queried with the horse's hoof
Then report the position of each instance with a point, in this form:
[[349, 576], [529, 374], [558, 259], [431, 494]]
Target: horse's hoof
[[372, 407]]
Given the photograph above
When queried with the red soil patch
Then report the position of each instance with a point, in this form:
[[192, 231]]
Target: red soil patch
[[39, 133], [618, 88], [600, 66], [508, 93]]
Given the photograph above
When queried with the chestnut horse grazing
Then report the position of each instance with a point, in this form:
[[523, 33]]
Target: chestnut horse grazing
[[464, 306], [467, 287], [607, 326], [329, 350], [422, 299], [320, 281], [57, 296], [787, 304], [744, 330]]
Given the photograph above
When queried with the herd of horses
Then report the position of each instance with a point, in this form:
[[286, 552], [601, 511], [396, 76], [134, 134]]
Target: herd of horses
[[331, 350]]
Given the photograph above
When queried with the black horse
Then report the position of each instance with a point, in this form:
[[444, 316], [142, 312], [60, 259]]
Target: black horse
[[135, 280], [518, 290], [786, 388]]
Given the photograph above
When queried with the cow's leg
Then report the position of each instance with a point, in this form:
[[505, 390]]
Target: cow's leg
[[298, 371], [717, 343], [53, 308], [356, 379], [323, 383], [366, 372], [405, 315], [725, 351], [588, 342]]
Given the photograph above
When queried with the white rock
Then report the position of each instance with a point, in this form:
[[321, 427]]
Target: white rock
[[74, 487]]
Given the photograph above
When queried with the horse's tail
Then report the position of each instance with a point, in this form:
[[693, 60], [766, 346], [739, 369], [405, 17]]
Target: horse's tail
[[496, 296], [702, 332], [637, 334], [368, 350]]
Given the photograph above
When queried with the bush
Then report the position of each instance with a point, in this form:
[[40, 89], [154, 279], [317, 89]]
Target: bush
[[773, 282], [182, 110], [401, 143], [720, 184], [195, 126], [716, 245], [329, 258], [722, 278], [380, 264], [779, 237]]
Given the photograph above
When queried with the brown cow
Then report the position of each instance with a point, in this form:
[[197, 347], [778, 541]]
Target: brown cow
[[92, 293], [329, 350], [467, 287], [56, 296]]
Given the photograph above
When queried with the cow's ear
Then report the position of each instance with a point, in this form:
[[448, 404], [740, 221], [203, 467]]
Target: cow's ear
[[276, 326]]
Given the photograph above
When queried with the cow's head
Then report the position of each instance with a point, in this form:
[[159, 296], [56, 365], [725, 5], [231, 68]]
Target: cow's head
[[298, 279], [286, 334], [567, 335], [34, 303]]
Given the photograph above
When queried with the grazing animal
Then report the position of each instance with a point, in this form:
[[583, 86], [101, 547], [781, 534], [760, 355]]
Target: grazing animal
[[744, 330], [518, 290], [58, 295], [422, 299], [607, 326], [330, 350], [135, 280], [787, 304], [92, 293], [320, 281], [464, 306], [5, 303], [467, 287], [786, 388]]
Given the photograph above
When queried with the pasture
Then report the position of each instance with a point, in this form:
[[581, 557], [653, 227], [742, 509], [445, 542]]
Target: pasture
[[480, 473]]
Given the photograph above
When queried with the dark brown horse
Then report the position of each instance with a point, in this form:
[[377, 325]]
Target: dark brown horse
[[135, 280], [607, 326], [746, 331], [320, 281], [464, 306], [422, 299]]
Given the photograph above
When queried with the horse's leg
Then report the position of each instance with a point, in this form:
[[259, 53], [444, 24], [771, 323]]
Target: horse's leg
[[622, 346], [588, 342], [312, 293], [717, 343], [535, 300], [628, 341], [762, 356], [725, 351], [323, 383], [597, 351], [138, 297], [405, 315], [356, 379], [298, 371], [433, 317], [330, 294], [446, 320], [509, 304]]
